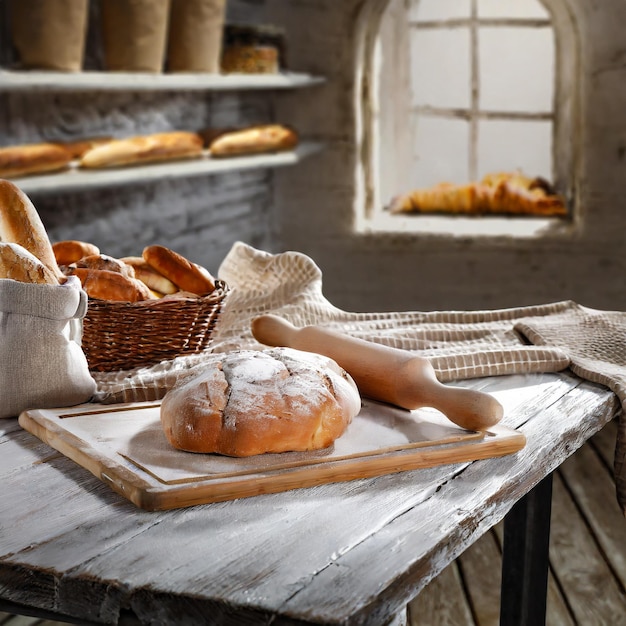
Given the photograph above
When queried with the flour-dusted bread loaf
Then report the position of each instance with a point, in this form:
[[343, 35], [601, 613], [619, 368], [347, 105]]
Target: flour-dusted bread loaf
[[19, 264], [39, 158], [144, 149], [251, 402], [20, 223], [254, 140]]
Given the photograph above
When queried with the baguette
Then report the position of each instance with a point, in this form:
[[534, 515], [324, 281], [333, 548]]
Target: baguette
[[17, 263], [187, 276], [255, 140], [20, 223], [38, 158], [78, 147], [143, 149]]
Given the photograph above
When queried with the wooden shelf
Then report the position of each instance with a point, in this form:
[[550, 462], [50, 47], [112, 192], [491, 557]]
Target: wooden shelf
[[125, 81], [76, 179]]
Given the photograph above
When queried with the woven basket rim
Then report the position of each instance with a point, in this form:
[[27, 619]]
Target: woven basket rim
[[221, 289]]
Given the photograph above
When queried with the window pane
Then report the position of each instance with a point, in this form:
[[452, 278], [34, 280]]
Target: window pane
[[532, 9], [430, 10], [441, 149], [440, 68], [516, 69], [515, 145]]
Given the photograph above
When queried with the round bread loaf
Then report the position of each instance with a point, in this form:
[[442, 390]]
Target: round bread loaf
[[250, 402]]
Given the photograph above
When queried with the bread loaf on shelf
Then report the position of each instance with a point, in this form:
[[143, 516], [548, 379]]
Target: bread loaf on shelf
[[78, 147], [187, 276], [254, 140], [20, 223], [17, 263], [253, 402], [39, 158], [143, 149]]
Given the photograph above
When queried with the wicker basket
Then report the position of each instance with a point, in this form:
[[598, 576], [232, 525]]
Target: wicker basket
[[123, 335]]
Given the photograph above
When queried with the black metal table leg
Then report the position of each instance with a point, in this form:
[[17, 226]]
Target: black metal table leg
[[525, 558]]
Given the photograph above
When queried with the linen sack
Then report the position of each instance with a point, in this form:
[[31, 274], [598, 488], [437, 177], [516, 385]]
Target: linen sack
[[41, 362]]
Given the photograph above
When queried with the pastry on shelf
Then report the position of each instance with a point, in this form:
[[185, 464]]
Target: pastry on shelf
[[501, 193]]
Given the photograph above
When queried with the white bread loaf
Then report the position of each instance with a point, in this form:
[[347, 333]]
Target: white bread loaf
[[251, 402]]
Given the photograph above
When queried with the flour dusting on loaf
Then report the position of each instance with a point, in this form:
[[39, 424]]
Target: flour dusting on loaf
[[251, 402]]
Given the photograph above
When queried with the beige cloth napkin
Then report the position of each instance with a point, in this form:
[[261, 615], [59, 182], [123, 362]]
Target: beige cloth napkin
[[459, 344]]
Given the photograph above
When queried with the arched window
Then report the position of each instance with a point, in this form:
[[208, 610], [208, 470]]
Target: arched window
[[462, 88]]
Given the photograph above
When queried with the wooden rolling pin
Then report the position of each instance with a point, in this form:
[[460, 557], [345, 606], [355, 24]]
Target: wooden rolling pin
[[386, 374]]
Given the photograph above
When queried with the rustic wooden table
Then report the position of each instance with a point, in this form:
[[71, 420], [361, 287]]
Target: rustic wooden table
[[345, 553]]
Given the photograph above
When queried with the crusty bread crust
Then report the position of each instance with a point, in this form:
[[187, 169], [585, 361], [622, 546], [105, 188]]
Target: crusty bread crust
[[78, 147], [255, 140], [186, 275], [111, 286], [106, 262], [19, 264], [144, 149], [251, 402], [20, 223], [22, 160], [70, 250], [149, 276]]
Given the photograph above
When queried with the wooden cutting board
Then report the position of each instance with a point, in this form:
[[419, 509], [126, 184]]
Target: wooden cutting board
[[124, 446]]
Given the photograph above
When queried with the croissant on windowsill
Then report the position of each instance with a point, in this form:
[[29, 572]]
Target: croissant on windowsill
[[501, 193]]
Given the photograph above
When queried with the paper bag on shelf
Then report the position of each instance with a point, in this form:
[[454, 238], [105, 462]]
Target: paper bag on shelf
[[50, 34]]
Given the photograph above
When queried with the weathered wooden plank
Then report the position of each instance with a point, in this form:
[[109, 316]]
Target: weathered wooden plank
[[604, 443], [591, 590], [442, 602], [429, 542], [591, 485]]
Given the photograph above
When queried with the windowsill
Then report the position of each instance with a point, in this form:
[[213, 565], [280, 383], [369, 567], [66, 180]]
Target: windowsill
[[461, 227]]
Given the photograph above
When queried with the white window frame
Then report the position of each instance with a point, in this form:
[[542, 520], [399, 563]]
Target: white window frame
[[566, 149]]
